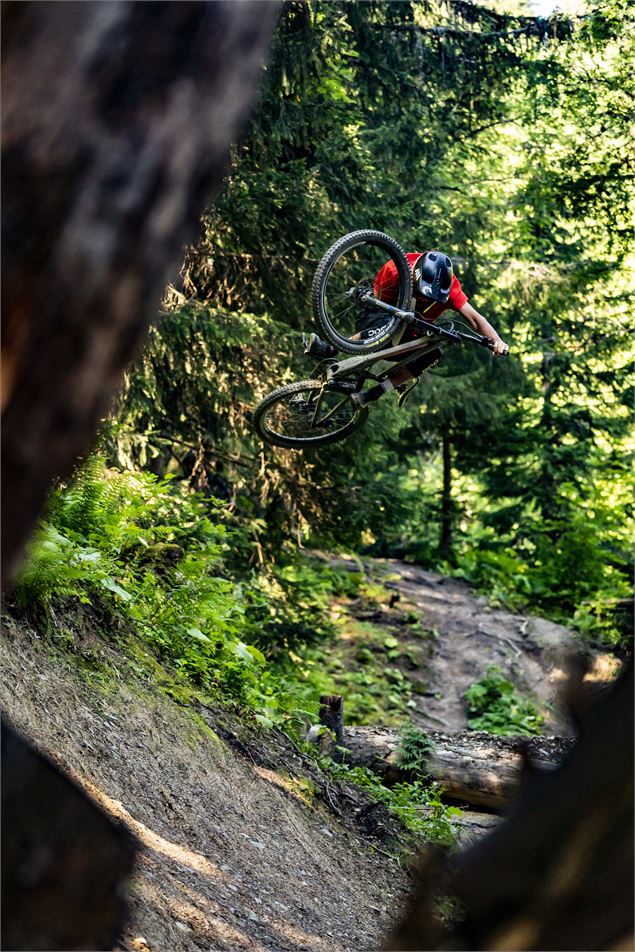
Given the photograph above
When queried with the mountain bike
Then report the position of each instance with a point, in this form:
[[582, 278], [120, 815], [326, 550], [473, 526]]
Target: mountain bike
[[320, 410]]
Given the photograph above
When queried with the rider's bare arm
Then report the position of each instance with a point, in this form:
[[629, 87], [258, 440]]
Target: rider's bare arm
[[483, 326]]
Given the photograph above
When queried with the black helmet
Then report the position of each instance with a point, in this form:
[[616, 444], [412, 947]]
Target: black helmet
[[433, 273]]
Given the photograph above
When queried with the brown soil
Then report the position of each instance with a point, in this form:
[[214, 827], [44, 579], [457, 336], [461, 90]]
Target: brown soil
[[233, 857], [467, 636]]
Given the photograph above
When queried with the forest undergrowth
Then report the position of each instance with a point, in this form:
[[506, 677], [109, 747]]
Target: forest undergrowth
[[142, 567], [162, 575]]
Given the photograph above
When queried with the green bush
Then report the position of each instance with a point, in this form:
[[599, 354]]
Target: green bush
[[418, 806], [286, 605], [493, 705]]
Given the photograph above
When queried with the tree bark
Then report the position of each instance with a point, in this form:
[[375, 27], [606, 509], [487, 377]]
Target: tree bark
[[445, 535], [473, 767], [117, 118], [332, 715], [548, 508], [64, 862]]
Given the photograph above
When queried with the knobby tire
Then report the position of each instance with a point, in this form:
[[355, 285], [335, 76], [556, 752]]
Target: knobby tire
[[347, 243], [293, 442]]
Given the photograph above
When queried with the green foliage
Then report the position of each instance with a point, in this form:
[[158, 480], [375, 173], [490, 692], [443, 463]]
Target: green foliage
[[573, 567], [364, 663], [504, 139], [415, 747], [417, 806], [149, 554], [493, 705], [287, 607]]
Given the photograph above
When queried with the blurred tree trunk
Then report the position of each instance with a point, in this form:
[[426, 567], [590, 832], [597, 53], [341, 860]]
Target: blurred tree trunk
[[117, 118], [60, 852], [558, 872], [549, 502]]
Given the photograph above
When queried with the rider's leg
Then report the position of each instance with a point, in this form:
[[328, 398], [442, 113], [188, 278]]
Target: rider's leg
[[399, 376], [425, 362], [393, 380]]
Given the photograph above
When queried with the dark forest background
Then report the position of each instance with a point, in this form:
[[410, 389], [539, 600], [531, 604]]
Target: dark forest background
[[502, 138]]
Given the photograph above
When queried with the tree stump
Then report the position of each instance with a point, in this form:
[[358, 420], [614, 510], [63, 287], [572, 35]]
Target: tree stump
[[332, 715]]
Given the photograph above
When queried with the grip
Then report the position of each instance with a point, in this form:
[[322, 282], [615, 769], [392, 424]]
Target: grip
[[489, 343]]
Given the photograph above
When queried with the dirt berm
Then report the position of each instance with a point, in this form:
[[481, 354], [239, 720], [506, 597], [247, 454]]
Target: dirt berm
[[235, 854]]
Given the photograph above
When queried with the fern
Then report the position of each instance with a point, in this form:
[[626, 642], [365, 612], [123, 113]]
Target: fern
[[414, 749], [150, 553]]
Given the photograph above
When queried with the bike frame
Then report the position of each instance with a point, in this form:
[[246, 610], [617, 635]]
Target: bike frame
[[432, 338]]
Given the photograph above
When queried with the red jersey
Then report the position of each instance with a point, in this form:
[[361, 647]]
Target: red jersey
[[387, 289]]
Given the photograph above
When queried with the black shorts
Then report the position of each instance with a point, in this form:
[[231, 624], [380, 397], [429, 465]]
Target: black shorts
[[369, 321]]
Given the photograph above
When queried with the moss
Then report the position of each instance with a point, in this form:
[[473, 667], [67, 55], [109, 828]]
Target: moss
[[208, 732], [303, 788]]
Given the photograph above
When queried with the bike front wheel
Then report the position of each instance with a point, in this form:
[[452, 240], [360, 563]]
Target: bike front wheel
[[346, 272], [306, 414]]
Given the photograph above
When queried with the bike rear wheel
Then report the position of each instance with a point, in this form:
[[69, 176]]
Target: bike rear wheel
[[349, 268], [306, 414]]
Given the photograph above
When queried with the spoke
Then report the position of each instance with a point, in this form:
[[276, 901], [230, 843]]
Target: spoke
[[339, 297], [342, 313], [332, 412], [311, 414]]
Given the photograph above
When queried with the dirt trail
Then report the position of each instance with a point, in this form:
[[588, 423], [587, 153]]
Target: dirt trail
[[232, 858], [531, 651]]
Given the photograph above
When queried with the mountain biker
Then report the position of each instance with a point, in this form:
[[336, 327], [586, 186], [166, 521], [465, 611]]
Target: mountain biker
[[436, 290]]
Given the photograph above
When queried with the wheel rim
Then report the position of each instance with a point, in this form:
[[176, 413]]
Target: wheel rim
[[351, 273], [309, 414]]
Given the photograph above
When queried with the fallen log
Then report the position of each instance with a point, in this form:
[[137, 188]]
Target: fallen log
[[473, 767]]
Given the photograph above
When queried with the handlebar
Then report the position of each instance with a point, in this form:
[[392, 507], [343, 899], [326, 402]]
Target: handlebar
[[489, 343], [410, 318]]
